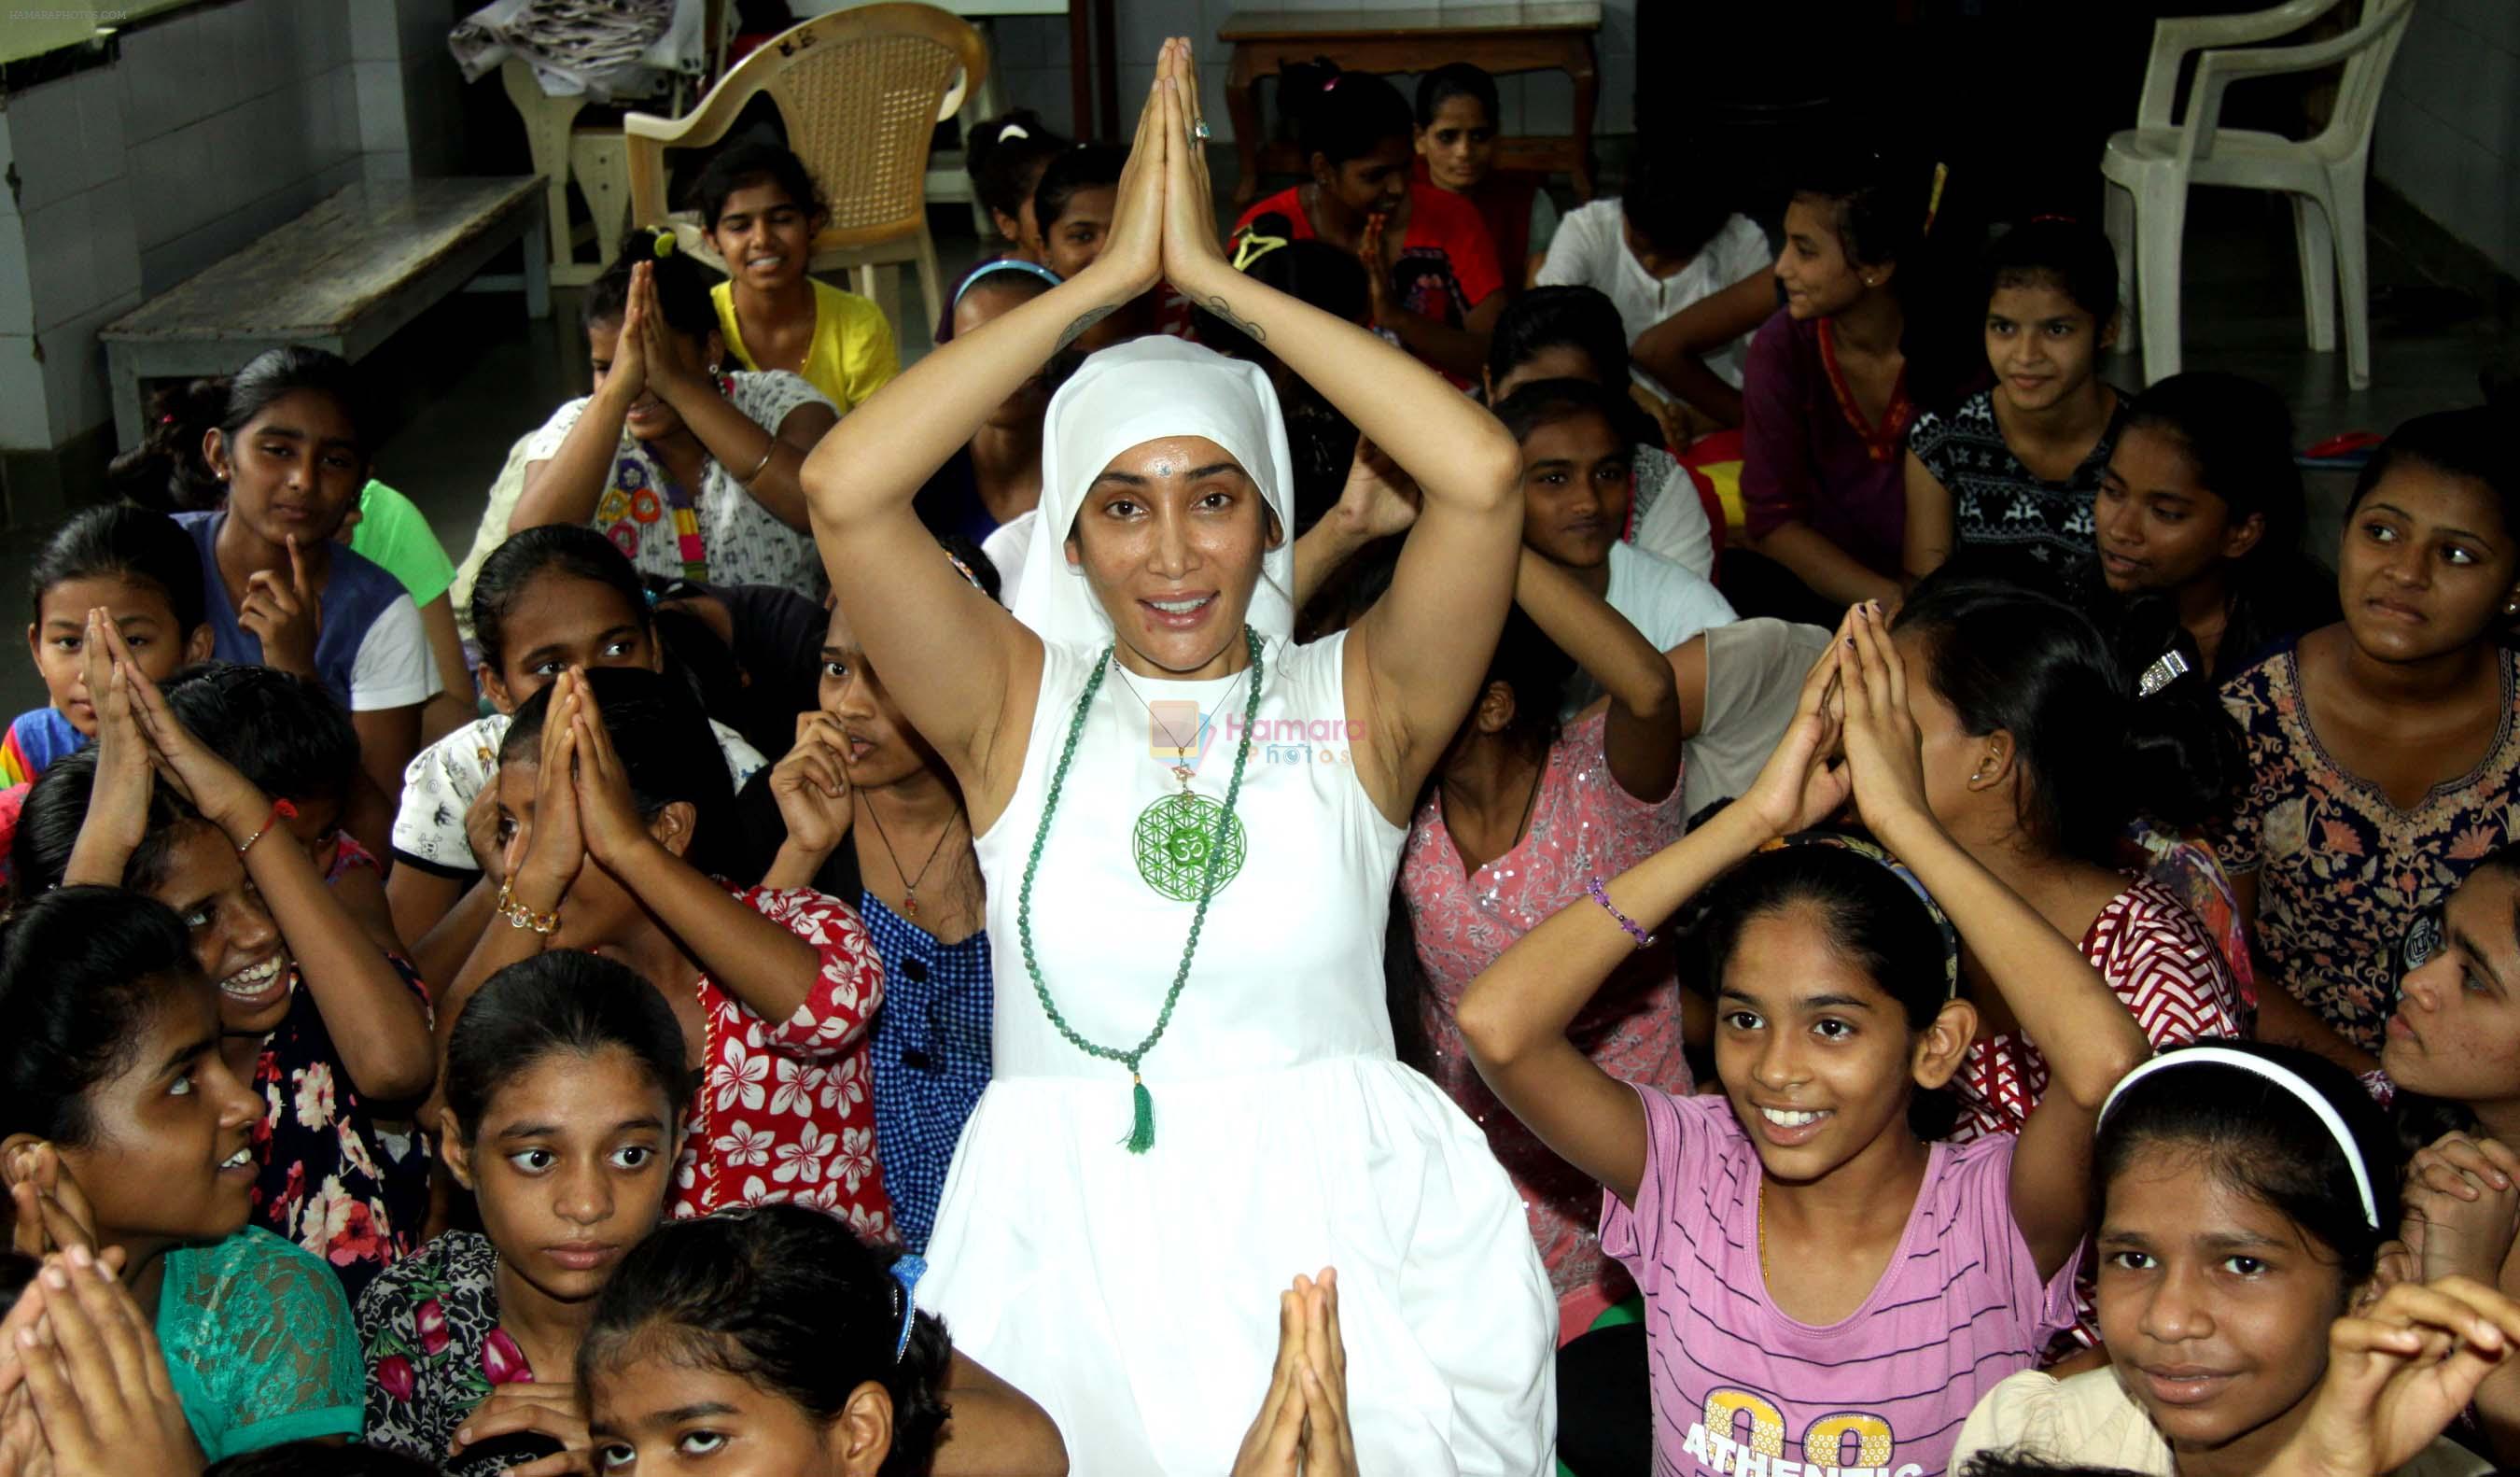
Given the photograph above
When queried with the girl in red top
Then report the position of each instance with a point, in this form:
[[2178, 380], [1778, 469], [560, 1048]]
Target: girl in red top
[[611, 817], [1430, 264]]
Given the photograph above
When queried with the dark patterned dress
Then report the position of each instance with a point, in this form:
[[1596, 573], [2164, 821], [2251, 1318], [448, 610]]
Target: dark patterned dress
[[2342, 872], [2003, 515], [333, 1179], [431, 1330]]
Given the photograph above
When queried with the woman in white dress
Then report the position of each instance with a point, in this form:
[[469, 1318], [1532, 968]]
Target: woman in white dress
[[1189, 827]]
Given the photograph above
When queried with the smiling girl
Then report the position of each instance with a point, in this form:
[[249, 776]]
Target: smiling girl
[[123, 1134], [2245, 1193], [1194, 1084], [858, 761], [1825, 406], [761, 212], [2008, 477], [314, 1015], [564, 1085], [2385, 751], [1813, 1264]]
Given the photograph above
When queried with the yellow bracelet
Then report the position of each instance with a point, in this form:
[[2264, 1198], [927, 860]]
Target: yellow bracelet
[[520, 916]]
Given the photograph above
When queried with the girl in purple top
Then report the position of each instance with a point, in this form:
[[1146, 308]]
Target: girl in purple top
[[1823, 1286], [1825, 403]]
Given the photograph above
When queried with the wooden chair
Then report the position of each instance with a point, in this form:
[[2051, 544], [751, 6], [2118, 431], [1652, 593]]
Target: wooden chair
[[861, 93]]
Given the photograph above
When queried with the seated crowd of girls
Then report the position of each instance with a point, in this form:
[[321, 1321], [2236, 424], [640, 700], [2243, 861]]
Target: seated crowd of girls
[[2040, 990]]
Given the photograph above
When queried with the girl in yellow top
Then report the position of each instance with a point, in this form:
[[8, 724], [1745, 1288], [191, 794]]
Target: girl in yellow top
[[761, 212]]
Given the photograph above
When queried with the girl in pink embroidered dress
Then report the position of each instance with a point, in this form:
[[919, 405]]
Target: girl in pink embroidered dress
[[1521, 817]]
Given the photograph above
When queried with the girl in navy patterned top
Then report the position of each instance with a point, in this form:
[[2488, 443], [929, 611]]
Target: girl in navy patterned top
[[858, 759]]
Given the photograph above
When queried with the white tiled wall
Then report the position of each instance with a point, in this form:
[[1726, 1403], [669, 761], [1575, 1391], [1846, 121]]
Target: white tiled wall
[[1032, 57], [213, 127], [2450, 122]]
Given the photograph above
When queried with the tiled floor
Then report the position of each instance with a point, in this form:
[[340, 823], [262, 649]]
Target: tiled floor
[[461, 385]]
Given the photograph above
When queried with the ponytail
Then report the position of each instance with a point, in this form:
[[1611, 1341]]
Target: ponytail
[[1341, 116], [166, 471], [2094, 755]]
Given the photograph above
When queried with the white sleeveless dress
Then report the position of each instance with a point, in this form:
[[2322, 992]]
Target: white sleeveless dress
[[1135, 1296]]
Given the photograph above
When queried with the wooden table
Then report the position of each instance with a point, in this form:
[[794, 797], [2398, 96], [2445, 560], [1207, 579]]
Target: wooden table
[[342, 277], [1502, 38]]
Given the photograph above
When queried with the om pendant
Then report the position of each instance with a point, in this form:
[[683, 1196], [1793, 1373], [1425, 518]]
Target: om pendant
[[1173, 840]]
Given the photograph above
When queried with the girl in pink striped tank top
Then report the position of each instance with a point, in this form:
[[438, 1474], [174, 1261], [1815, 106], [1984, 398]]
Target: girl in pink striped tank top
[[1826, 1291]]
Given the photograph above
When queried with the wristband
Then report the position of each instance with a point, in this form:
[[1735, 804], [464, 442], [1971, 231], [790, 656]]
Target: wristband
[[1601, 895], [520, 916], [281, 811]]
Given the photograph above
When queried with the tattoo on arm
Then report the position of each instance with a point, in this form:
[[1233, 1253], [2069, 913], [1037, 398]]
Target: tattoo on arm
[[1076, 330], [1218, 306]]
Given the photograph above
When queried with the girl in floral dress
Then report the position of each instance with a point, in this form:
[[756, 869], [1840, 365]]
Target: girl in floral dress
[[614, 818], [2384, 751], [328, 1029], [564, 1097]]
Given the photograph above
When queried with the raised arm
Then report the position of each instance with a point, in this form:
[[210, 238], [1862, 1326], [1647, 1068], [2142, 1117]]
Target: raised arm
[[565, 489], [756, 960], [1930, 533], [980, 668], [1641, 736], [1416, 660], [2051, 990], [1514, 1016], [773, 455], [1377, 501], [379, 1024]]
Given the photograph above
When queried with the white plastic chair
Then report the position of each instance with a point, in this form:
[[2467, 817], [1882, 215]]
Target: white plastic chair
[[2151, 165]]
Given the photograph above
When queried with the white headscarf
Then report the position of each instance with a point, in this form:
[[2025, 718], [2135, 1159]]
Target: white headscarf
[[1143, 390]]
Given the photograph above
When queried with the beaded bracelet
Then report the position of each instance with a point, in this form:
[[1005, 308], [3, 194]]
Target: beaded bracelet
[[281, 811], [520, 916], [1601, 895]]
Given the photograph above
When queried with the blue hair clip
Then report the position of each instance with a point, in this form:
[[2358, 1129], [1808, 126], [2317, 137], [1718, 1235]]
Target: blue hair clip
[[907, 1271]]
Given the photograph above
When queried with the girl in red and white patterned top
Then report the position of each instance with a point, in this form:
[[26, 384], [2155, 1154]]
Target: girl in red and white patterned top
[[613, 807], [2038, 758]]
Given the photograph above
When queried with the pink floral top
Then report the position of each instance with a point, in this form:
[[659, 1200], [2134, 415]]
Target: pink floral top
[[781, 1112], [1582, 826]]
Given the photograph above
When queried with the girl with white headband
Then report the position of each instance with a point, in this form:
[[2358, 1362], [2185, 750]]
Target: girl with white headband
[[2246, 1193], [1189, 827]]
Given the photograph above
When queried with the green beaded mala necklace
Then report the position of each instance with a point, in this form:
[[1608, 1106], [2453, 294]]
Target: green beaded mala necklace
[[1142, 1127]]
